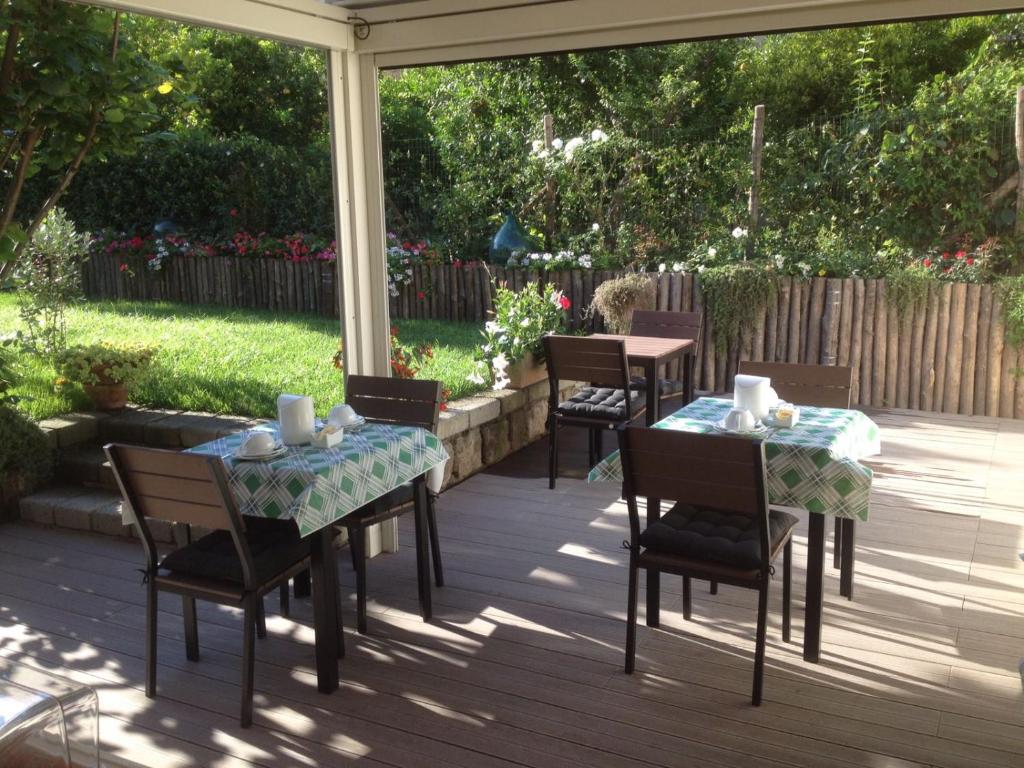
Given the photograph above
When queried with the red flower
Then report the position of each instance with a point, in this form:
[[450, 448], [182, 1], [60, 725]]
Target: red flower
[[124, 267], [564, 302], [233, 212], [927, 262], [945, 255], [961, 255], [970, 261], [420, 295]]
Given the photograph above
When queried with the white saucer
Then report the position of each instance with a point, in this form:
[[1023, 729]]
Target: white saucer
[[277, 453], [757, 429], [353, 425]]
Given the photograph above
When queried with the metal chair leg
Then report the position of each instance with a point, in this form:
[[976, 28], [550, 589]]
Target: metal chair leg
[[251, 610], [552, 451], [631, 616], [713, 589], [284, 599], [261, 620], [787, 588], [151, 612], [188, 611], [762, 629], [435, 542], [687, 598]]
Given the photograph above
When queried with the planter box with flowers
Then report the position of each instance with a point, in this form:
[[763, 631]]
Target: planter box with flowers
[[512, 353]]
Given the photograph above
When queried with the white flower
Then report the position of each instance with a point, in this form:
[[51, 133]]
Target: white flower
[[547, 257], [475, 378], [739, 232], [556, 144], [501, 381], [572, 145], [595, 227], [556, 298], [661, 268], [585, 261], [598, 135], [700, 269], [492, 327], [677, 267], [543, 154], [712, 252], [537, 146], [525, 322]]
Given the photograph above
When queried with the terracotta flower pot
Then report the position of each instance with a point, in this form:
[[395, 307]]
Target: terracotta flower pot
[[522, 373], [107, 397]]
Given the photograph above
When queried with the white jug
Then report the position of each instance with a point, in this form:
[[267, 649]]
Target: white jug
[[754, 393], [296, 417]]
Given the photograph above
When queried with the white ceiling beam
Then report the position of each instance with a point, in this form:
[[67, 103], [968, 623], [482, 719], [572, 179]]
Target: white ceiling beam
[[584, 24], [301, 22]]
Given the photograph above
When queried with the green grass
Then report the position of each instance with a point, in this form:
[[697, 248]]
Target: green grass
[[226, 361]]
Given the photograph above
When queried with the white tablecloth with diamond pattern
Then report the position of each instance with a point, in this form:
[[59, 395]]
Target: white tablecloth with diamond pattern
[[317, 487], [815, 465]]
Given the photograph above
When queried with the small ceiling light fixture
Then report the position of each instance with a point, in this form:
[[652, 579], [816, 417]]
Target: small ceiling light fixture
[[360, 27]]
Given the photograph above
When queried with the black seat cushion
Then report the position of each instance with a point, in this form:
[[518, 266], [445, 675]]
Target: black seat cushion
[[726, 538], [603, 402], [275, 545], [666, 387]]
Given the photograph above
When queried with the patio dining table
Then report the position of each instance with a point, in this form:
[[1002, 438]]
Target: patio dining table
[[318, 487], [814, 466]]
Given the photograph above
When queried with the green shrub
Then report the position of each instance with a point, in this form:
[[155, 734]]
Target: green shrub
[[25, 453]]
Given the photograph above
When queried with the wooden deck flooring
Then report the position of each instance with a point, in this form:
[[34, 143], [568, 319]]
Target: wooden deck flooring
[[522, 664]]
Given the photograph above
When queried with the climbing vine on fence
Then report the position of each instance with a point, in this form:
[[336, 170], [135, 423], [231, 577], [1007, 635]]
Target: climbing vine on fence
[[733, 295]]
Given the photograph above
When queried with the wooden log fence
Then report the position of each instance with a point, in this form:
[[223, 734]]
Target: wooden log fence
[[945, 353]]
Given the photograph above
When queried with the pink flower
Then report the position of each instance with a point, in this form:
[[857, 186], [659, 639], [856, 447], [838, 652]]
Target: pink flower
[[124, 267], [970, 261], [233, 212], [927, 262], [961, 255]]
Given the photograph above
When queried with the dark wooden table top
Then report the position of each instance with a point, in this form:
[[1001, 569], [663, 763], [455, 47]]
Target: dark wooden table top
[[649, 347]]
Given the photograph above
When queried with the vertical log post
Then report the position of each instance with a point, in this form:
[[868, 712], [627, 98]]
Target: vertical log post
[[1019, 141], [756, 154], [549, 185]]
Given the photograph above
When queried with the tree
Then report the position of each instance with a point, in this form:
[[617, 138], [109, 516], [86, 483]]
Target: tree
[[70, 88]]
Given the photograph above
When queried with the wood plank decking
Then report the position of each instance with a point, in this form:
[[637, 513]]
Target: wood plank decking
[[522, 664]]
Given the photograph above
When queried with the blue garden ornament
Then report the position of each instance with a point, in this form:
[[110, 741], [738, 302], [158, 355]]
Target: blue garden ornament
[[511, 238]]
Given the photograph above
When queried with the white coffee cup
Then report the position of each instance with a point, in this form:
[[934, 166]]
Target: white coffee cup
[[258, 443], [342, 415], [739, 420]]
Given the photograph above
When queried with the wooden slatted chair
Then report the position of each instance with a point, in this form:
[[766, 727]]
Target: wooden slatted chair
[[823, 386], [242, 560], [404, 402], [673, 325], [719, 529], [610, 400]]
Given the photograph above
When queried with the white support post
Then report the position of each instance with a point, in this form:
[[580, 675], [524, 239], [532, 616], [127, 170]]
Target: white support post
[[359, 209]]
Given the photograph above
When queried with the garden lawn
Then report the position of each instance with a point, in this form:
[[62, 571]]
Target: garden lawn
[[221, 360]]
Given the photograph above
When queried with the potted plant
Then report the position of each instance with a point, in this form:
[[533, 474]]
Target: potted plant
[[616, 299], [512, 353], [106, 370]]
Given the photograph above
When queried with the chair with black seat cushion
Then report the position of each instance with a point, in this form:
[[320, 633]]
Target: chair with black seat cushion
[[719, 528], [405, 402], [610, 400], [673, 325], [823, 386], [236, 564]]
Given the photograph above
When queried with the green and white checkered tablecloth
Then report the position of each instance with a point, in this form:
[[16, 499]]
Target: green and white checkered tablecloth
[[815, 465], [317, 487]]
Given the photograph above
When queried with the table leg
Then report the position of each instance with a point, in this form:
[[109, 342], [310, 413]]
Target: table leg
[[653, 577], [849, 540], [301, 582], [324, 571], [422, 551], [813, 599], [653, 392]]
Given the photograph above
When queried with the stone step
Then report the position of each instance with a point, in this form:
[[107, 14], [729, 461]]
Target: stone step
[[85, 465], [84, 509]]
